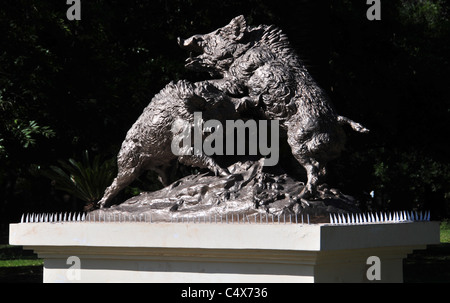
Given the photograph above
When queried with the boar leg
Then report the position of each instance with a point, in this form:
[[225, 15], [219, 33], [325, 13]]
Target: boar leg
[[303, 146], [123, 179], [312, 171], [203, 161]]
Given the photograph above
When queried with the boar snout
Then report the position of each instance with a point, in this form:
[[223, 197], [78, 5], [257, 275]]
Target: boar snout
[[191, 44]]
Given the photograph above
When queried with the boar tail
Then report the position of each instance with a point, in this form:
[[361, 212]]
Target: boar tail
[[354, 125]]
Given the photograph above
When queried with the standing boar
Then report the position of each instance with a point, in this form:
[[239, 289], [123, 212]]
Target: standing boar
[[258, 65], [147, 145]]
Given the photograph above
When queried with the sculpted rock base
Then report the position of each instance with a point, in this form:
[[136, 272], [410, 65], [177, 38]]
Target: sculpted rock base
[[248, 191]]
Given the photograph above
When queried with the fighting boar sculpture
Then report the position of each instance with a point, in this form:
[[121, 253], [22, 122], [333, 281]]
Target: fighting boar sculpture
[[255, 72], [259, 66]]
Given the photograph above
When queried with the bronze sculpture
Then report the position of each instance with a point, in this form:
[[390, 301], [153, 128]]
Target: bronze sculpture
[[255, 70]]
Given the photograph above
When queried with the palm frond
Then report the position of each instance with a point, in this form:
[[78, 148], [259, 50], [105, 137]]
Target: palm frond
[[86, 179]]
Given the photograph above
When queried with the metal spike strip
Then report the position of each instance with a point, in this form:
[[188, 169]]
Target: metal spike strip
[[382, 217], [53, 217], [336, 218], [241, 219], [119, 218]]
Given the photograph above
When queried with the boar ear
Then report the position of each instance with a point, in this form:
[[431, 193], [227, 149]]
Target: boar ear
[[238, 25]]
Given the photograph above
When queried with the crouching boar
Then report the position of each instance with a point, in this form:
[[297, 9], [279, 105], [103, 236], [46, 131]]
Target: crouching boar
[[258, 65], [147, 145]]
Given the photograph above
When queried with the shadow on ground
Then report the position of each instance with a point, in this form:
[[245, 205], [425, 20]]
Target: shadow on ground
[[23, 274], [428, 266]]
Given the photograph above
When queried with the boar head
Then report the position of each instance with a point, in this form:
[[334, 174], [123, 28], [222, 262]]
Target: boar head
[[217, 50]]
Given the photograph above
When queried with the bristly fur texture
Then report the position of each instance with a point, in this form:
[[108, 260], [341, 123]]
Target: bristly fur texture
[[259, 66], [147, 145]]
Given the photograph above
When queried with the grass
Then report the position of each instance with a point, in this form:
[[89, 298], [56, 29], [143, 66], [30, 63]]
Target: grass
[[445, 231], [19, 263]]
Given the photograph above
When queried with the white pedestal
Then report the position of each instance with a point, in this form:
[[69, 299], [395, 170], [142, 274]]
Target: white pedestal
[[179, 252]]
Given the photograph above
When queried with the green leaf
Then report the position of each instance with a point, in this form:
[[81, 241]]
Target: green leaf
[[86, 180]]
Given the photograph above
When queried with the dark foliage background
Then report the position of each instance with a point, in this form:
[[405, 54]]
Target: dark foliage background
[[71, 86]]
